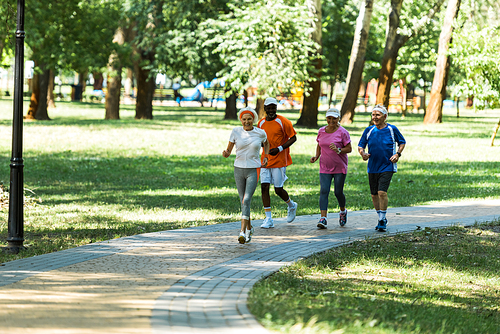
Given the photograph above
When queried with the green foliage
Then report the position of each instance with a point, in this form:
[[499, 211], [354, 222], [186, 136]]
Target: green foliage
[[266, 44], [476, 52], [339, 21], [417, 57], [71, 34], [180, 50]]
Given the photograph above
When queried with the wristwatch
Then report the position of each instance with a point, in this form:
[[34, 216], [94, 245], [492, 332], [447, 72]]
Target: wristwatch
[[398, 153], [339, 150]]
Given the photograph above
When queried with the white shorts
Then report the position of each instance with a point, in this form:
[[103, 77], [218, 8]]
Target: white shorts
[[276, 176]]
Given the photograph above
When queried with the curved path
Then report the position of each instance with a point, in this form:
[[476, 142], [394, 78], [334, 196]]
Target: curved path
[[193, 280]]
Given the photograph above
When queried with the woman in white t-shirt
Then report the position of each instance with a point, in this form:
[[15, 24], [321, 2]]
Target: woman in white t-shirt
[[248, 140]]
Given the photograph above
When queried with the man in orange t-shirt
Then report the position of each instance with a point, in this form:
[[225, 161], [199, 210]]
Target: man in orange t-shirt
[[280, 135]]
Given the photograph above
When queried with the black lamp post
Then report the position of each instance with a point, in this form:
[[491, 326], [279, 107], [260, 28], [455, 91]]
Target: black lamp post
[[15, 237]]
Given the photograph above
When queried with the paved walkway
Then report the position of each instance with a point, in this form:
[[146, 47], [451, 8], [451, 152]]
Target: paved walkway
[[193, 280]]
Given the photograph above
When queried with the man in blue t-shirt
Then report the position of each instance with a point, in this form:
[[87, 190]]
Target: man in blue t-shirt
[[385, 145]]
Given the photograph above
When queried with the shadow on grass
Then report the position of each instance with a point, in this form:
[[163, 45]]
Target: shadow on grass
[[371, 305]]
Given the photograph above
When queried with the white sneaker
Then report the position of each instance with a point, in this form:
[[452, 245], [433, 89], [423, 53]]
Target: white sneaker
[[241, 238], [268, 223], [291, 213], [248, 235]]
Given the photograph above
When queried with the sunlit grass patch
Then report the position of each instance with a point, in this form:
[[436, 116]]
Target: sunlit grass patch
[[433, 281]]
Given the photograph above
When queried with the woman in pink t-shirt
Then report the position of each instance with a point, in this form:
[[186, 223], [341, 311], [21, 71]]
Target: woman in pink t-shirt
[[334, 143]]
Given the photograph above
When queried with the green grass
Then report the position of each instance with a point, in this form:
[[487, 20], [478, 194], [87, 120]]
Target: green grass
[[432, 281], [89, 179]]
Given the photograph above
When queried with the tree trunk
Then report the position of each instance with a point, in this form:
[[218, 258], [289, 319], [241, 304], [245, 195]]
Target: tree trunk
[[35, 95], [434, 112], [356, 62], [112, 104], [231, 112], [245, 96], [41, 112], [309, 113], [495, 133], [392, 46], [114, 85], [145, 93], [82, 81], [259, 108], [98, 80], [393, 43], [129, 83], [50, 91]]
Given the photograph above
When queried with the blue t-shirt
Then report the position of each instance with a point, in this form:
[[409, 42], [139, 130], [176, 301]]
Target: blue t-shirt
[[381, 146]]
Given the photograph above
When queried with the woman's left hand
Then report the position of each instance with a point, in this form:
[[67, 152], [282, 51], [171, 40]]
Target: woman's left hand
[[264, 163], [333, 147]]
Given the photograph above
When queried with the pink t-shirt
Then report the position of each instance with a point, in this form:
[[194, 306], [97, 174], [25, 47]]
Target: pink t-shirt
[[330, 162]]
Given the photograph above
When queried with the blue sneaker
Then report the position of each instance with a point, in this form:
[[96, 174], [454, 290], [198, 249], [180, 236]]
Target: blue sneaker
[[382, 225], [322, 223], [343, 218]]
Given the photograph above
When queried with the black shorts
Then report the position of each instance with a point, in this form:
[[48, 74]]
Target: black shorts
[[379, 182]]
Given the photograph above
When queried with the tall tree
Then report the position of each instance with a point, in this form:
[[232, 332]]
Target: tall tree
[[356, 62], [114, 80], [266, 44], [475, 53], [434, 112], [339, 17], [146, 17], [181, 52], [59, 37], [395, 39], [309, 112]]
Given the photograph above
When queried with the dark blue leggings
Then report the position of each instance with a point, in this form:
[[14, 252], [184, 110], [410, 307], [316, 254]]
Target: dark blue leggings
[[325, 180]]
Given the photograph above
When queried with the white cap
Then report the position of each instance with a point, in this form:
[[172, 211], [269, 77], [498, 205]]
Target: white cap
[[381, 108], [270, 100], [248, 109], [334, 112]]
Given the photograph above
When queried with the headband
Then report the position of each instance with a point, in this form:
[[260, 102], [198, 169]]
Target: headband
[[249, 111], [381, 108]]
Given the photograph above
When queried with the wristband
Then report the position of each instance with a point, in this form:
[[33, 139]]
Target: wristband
[[280, 148], [398, 154]]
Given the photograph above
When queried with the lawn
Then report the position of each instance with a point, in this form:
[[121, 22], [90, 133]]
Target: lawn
[[88, 179], [431, 281]]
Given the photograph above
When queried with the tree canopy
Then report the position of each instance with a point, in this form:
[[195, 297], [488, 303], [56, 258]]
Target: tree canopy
[[266, 44]]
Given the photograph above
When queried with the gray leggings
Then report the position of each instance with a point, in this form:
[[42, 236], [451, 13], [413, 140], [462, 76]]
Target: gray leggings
[[325, 180], [246, 182]]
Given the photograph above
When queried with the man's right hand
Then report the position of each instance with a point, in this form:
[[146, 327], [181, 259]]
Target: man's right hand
[[274, 151]]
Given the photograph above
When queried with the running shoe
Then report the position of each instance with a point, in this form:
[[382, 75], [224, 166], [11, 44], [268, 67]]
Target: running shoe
[[322, 223], [382, 225], [248, 235], [343, 218], [292, 211], [268, 223], [241, 238]]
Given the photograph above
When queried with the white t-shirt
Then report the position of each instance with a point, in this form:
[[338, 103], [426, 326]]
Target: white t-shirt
[[248, 145]]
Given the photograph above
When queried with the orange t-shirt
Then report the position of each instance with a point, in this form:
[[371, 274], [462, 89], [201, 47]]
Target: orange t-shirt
[[278, 131]]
